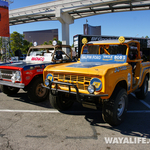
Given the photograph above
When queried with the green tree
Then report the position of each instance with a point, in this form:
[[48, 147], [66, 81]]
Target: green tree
[[146, 37], [59, 42], [54, 39], [26, 45], [50, 42], [17, 42], [45, 43]]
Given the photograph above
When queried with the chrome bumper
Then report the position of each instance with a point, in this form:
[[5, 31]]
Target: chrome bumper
[[17, 85]]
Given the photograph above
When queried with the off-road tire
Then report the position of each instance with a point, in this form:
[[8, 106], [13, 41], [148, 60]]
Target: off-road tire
[[60, 102], [143, 89], [36, 93], [9, 90], [110, 109]]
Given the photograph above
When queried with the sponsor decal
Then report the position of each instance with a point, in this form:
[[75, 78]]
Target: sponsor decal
[[141, 77], [31, 68], [28, 78], [30, 73], [129, 81], [39, 70], [95, 38], [145, 63], [120, 69], [50, 77], [129, 78], [148, 43], [43, 66], [37, 58], [37, 67], [97, 83], [107, 57], [103, 58], [119, 58], [90, 57]]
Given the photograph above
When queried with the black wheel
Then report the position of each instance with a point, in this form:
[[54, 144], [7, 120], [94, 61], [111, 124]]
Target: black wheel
[[9, 90], [61, 102], [114, 110], [36, 92], [143, 89]]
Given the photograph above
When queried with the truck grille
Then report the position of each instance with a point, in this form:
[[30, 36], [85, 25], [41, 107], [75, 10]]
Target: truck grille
[[6, 74], [82, 82]]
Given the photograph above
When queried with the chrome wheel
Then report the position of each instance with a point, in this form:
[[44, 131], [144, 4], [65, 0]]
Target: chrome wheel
[[121, 107]]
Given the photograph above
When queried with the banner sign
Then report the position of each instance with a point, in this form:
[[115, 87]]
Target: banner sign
[[4, 19], [103, 58]]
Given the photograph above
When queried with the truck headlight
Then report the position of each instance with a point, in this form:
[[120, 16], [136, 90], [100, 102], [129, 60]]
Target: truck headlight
[[13, 78], [91, 89], [47, 82], [16, 76]]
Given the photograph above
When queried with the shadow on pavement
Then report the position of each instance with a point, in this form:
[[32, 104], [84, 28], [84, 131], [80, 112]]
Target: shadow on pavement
[[135, 124], [23, 97]]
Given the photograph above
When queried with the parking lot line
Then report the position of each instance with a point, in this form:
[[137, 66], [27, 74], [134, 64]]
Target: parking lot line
[[147, 105], [143, 102], [72, 112], [138, 111], [30, 111]]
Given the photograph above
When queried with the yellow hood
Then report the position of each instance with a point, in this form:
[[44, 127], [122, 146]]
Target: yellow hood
[[92, 68]]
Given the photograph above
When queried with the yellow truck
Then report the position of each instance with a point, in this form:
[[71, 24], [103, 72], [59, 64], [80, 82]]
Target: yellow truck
[[105, 74]]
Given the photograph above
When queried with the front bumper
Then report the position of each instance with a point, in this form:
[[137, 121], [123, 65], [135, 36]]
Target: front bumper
[[17, 85], [78, 95]]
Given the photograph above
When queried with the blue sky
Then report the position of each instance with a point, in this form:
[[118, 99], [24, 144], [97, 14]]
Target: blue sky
[[129, 24]]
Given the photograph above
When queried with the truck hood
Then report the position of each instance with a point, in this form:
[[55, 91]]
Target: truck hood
[[93, 64], [85, 67], [25, 65]]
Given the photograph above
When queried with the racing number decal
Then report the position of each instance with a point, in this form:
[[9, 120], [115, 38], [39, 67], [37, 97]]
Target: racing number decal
[[97, 83], [49, 76]]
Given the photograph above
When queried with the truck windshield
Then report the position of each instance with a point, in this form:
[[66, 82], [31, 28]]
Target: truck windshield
[[103, 49], [40, 52]]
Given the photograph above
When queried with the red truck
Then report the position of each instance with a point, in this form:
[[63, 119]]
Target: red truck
[[28, 74]]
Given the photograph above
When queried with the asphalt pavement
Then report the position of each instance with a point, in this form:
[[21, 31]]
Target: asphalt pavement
[[29, 126]]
